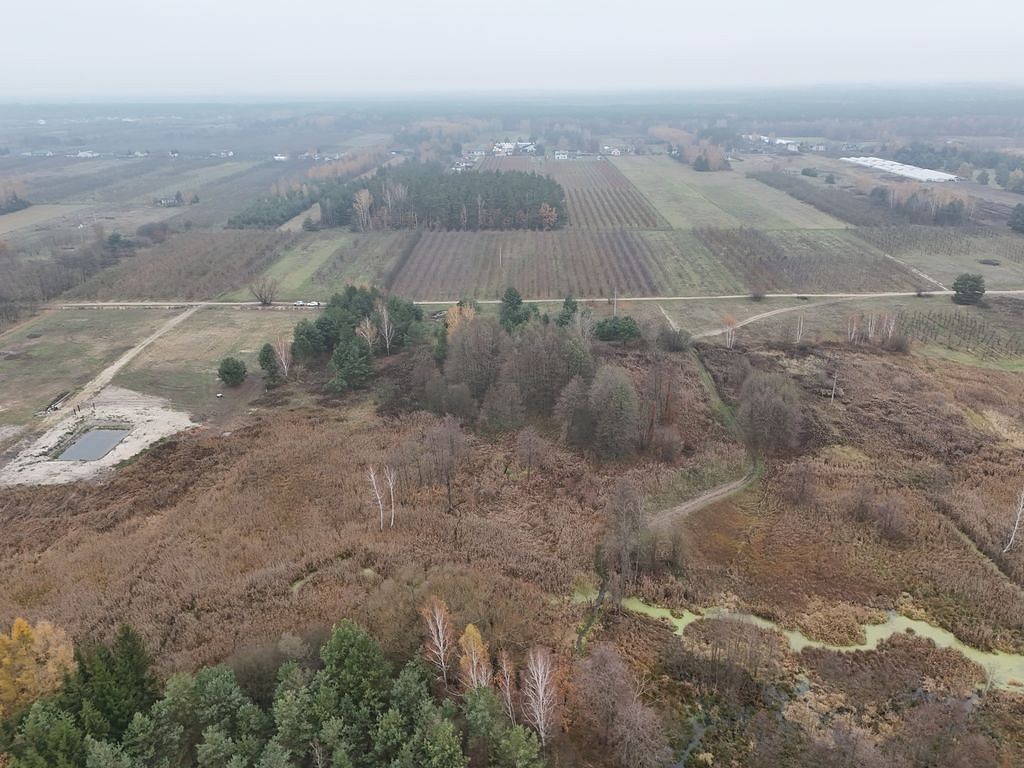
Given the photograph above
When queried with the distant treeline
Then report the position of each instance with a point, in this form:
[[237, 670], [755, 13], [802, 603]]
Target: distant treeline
[[881, 207], [952, 158], [421, 196]]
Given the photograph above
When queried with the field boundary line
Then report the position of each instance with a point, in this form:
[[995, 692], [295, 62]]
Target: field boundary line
[[282, 305]]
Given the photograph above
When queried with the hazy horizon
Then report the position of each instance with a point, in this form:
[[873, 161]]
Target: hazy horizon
[[113, 50]]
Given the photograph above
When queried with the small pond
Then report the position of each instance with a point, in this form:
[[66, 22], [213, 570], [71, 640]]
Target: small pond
[[94, 444]]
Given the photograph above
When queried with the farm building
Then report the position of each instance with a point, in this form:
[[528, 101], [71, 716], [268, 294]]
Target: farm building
[[901, 169]]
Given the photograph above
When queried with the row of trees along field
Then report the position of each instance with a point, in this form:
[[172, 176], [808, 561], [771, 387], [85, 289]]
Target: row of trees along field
[[456, 705], [421, 195], [880, 206]]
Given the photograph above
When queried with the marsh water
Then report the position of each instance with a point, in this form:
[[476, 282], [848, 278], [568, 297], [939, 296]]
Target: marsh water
[[94, 444], [1004, 670]]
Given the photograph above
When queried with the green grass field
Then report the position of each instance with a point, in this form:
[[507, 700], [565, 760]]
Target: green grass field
[[182, 364], [688, 199], [62, 350], [320, 264]]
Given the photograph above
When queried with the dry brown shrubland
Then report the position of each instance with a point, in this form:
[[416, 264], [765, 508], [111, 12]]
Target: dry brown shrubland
[[909, 495], [210, 543]]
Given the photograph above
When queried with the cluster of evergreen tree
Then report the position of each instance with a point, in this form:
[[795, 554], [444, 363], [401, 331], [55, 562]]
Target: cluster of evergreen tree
[[355, 325], [272, 212], [346, 709], [425, 195], [418, 195]]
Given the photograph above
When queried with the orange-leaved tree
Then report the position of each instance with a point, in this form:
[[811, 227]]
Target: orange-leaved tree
[[33, 663]]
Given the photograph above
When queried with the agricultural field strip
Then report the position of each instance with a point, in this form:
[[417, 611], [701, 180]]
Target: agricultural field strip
[[727, 200]]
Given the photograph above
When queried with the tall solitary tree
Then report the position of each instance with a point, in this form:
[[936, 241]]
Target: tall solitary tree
[[231, 371], [512, 313], [264, 290]]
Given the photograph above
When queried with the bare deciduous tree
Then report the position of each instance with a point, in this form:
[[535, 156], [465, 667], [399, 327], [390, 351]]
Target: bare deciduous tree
[[730, 324], [1019, 513], [853, 327], [531, 449], [440, 641], [390, 476], [362, 202], [475, 662], [798, 333], [385, 326], [445, 447], [539, 692], [611, 702], [283, 353], [506, 682], [367, 332], [583, 323], [264, 290], [372, 475]]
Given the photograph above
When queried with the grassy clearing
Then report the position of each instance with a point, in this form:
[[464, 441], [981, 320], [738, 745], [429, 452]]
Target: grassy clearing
[[182, 365], [687, 198], [61, 351]]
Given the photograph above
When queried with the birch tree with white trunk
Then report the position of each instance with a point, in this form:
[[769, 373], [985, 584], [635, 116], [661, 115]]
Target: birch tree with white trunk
[[390, 476], [539, 692], [1018, 515], [372, 475], [440, 636]]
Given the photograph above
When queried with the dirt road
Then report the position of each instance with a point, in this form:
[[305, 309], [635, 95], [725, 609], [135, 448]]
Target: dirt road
[[94, 386], [666, 517], [279, 305]]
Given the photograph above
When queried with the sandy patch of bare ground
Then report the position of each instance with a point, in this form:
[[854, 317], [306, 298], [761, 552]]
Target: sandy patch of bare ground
[[147, 419]]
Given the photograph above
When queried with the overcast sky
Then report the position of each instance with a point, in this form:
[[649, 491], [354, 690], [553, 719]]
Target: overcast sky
[[88, 49]]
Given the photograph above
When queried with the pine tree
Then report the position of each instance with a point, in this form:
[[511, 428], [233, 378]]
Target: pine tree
[[352, 363], [268, 362]]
